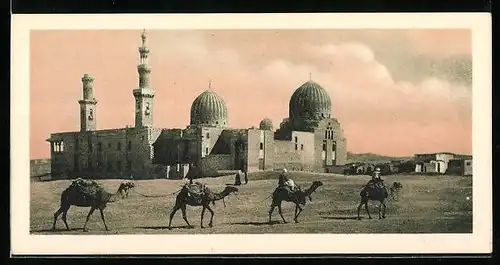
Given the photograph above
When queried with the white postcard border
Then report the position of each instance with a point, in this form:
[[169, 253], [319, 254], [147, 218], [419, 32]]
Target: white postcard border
[[480, 241]]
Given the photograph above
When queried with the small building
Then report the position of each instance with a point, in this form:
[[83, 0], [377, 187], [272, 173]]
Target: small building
[[460, 166], [434, 167], [468, 167], [433, 163]]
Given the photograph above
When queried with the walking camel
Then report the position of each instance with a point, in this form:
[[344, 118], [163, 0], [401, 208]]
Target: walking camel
[[297, 197], [198, 194], [85, 193], [375, 192], [124, 188]]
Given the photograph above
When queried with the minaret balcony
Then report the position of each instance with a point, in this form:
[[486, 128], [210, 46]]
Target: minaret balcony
[[87, 101], [144, 92]]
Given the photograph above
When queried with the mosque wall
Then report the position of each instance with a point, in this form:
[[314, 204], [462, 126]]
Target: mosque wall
[[209, 137], [211, 164], [106, 154], [255, 149], [297, 154]]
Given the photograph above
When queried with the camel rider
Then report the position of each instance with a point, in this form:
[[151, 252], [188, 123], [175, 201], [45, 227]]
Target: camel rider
[[285, 181], [376, 177]]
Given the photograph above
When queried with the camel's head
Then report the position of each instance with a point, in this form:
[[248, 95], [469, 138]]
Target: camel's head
[[317, 183], [230, 190], [397, 185]]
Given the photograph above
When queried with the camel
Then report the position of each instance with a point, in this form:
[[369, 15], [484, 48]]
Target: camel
[[198, 194], [375, 192], [298, 197], [84, 193], [394, 190], [124, 188]]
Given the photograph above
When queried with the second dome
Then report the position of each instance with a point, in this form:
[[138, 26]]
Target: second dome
[[310, 101]]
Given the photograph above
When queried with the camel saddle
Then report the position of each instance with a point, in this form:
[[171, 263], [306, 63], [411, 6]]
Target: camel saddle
[[288, 189], [196, 190], [378, 185], [86, 186]]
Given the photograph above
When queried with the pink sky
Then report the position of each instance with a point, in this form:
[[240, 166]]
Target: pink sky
[[395, 92]]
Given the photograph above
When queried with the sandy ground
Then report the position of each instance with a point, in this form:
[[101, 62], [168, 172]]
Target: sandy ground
[[426, 204]]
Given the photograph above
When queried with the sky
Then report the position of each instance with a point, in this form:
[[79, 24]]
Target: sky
[[395, 92]]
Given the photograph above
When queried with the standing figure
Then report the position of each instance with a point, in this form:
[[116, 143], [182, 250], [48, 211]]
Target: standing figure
[[246, 176], [237, 178]]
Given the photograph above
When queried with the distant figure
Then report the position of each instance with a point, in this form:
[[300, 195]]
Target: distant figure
[[131, 177], [246, 176], [285, 181], [237, 178]]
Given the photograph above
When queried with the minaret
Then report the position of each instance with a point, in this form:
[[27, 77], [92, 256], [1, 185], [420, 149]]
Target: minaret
[[88, 105], [144, 94]]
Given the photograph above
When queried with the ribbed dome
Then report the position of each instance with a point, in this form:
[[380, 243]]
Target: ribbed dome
[[266, 124], [309, 103], [209, 109]]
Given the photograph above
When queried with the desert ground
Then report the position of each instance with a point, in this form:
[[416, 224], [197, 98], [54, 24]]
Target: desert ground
[[426, 204]]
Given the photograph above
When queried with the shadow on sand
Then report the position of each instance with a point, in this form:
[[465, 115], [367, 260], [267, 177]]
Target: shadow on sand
[[163, 227], [55, 231], [341, 217], [255, 223]]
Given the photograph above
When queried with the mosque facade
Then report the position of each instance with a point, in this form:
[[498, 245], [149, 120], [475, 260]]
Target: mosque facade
[[310, 139]]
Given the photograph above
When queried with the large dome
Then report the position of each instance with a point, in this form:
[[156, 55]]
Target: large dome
[[308, 104], [209, 109]]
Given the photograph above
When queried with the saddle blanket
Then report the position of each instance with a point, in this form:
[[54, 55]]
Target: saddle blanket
[[86, 186]]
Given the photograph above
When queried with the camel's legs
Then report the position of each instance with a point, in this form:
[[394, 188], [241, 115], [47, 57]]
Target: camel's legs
[[224, 202], [359, 208], [61, 209], [65, 213], [184, 215], [298, 213], [281, 213], [385, 207], [366, 208], [174, 210], [211, 217], [102, 217], [92, 209], [271, 210], [380, 211], [202, 214]]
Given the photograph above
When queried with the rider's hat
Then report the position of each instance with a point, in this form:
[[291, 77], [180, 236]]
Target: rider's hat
[[377, 169], [284, 170]]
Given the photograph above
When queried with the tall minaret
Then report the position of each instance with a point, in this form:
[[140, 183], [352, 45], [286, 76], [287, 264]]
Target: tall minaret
[[88, 105], [144, 94]]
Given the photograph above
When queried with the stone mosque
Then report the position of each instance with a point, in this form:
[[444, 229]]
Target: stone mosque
[[310, 139]]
